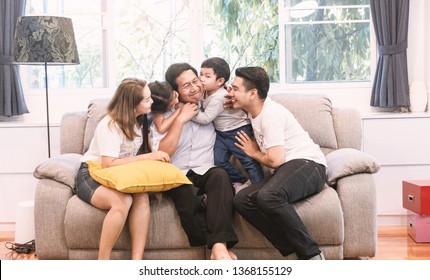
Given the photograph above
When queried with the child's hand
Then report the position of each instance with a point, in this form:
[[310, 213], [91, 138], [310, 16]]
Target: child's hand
[[188, 111], [227, 87], [229, 100], [179, 105]]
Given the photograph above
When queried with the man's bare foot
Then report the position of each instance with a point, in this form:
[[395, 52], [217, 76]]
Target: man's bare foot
[[220, 252], [232, 255]]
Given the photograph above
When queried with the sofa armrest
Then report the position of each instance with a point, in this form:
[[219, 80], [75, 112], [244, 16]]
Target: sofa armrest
[[357, 195], [50, 203], [55, 187], [62, 169], [346, 162]]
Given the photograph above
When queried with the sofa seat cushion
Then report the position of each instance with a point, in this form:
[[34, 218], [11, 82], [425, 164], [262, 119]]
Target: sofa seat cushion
[[83, 224], [321, 214]]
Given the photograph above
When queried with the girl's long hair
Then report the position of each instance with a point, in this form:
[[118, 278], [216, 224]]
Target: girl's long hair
[[162, 94], [145, 147]]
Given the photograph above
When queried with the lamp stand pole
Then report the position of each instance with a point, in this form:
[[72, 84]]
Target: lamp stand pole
[[47, 109]]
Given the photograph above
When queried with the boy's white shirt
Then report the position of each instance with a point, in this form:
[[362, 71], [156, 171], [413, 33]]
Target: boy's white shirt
[[223, 119]]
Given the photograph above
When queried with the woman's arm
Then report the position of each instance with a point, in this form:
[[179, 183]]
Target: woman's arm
[[112, 161]]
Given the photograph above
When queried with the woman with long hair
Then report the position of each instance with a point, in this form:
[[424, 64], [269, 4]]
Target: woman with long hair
[[121, 137]]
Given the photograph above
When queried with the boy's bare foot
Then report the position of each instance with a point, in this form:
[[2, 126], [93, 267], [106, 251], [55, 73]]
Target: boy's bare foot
[[220, 252]]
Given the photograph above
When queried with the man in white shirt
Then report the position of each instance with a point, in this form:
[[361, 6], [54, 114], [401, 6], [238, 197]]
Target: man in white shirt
[[283, 145], [190, 146]]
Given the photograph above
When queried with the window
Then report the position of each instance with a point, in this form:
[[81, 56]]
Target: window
[[325, 41], [297, 42]]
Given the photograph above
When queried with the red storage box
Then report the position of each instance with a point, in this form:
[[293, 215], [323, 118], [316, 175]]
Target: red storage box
[[419, 227], [416, 196]]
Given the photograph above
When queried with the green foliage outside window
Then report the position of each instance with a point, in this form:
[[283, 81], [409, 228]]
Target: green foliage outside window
[[244, 32], [336, 51]]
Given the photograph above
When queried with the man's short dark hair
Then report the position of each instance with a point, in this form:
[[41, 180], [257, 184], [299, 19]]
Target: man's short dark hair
[[175, 70], [220, 67], [255, 77]]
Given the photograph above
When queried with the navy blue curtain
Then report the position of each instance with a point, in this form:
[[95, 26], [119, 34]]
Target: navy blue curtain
[[391, 84], [12, 101]]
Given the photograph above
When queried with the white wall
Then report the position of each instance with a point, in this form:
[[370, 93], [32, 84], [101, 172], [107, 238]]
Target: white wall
[[18, 184]]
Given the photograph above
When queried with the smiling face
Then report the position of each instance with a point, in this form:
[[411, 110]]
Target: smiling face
[[144, 106], [240, 95], [190, 88]]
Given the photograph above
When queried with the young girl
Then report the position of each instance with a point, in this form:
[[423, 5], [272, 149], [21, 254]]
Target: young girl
[[121, 137], [165, 108]]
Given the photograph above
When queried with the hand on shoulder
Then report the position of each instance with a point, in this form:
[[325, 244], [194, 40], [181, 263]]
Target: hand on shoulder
[[188, 111]]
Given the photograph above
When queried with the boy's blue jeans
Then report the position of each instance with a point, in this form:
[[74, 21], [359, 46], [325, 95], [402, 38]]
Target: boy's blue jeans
[[225, 147], [268, 206]]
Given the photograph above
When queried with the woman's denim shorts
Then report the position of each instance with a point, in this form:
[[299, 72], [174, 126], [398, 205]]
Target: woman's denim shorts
[[85, 184]]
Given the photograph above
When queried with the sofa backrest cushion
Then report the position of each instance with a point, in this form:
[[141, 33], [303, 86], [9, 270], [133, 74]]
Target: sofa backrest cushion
[[314, 113], [96, 110]]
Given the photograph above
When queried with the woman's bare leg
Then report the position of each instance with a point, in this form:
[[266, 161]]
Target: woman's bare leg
[[138, 222], [118, 205]]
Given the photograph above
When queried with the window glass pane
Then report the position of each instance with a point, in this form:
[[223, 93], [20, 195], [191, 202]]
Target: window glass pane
[[150, 35], [244, 33], [327, 41], [87, 29]]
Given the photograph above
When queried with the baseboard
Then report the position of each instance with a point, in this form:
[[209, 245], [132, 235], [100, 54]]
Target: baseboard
[[7, 226], [391, 220]]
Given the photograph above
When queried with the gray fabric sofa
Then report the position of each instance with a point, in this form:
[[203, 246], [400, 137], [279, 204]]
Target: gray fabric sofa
[[341, 218]]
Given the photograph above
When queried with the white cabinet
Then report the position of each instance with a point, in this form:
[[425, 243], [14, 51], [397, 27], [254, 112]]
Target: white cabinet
[[401, 144], [22, 148]]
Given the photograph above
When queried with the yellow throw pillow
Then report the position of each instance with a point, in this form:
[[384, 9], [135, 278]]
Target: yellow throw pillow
[[139, 176]]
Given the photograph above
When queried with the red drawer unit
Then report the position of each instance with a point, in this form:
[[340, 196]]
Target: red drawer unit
[[416, 196], [419, 227]]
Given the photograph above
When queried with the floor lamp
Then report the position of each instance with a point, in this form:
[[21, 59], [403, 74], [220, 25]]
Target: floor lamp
[[45, 40]]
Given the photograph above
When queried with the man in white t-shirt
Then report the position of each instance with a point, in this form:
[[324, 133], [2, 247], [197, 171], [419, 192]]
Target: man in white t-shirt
[[283, 145]]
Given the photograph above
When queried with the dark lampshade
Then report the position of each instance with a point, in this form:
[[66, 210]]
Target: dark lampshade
[[44, 39]]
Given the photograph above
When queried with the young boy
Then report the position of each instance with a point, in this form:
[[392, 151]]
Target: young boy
[[214, 73]]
